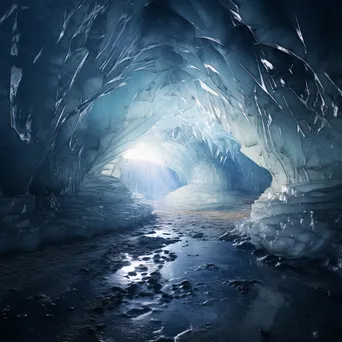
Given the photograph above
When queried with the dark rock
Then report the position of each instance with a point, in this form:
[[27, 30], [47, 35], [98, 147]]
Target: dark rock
[[209, 266], [132, 289], [157, 287], [166, 295], [156, 274], [141, 268], [228, 237], [118, 289], [186, 284], [260, 253], [243, 286], [197, 235], [145, 294], [138, 311], [126, 263]]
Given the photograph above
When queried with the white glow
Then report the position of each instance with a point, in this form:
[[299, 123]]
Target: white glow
[[143, 151], [208, 89], [208, 66], [268, 65]]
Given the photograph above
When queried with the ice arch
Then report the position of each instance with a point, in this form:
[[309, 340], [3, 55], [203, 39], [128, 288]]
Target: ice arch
[[81, 81]]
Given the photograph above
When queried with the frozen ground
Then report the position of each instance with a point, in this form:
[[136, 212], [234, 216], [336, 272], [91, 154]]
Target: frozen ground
[[169, 280]]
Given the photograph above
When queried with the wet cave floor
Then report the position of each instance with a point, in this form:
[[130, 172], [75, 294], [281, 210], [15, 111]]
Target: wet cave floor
[[171, 279]]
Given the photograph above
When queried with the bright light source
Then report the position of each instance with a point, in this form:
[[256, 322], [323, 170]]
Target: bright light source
[[143, 151]]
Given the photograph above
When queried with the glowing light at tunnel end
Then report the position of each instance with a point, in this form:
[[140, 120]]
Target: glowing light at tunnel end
[[145, 152]]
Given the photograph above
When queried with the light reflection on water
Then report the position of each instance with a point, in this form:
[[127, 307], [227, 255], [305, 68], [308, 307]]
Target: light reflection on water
[[280, 303]]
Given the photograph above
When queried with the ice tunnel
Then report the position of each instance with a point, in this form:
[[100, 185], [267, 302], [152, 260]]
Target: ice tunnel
[[107, 104]]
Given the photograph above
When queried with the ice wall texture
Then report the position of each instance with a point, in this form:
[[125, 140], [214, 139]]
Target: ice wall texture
[[80, 81], [102, 204], [303, 221]]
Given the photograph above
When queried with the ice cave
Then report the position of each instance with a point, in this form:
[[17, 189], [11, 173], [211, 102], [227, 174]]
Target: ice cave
[[170, 170]]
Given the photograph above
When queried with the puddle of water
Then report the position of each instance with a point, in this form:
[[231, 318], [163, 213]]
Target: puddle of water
[[277, 303], [193, 253], [211, 302], [133, 272], [163, 233], [269, 306]]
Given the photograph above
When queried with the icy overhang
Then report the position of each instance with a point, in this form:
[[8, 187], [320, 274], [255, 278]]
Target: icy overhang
[[269, 79], [83, 80]]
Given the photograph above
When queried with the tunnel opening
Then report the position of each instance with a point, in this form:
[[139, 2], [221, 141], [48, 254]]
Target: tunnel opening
[[176, 170], [189, 71], [144, 173], [143, 152]]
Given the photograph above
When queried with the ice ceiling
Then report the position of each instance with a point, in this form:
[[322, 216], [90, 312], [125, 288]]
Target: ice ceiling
[[81, 82]]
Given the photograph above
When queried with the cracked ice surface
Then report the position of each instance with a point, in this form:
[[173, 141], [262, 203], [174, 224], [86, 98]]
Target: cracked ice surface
[[82, 81]]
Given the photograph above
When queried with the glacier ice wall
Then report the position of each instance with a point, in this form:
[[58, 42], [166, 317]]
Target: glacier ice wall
[[82, 80], [102, 204]]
